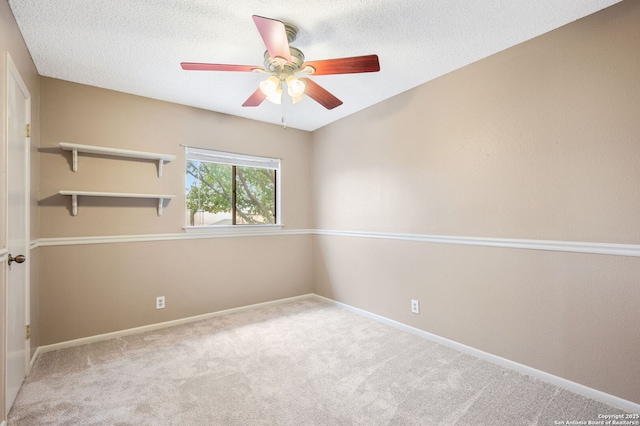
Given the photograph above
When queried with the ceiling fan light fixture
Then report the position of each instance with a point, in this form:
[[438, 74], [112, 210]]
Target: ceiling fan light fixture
[[296, 99], [276, 97], [295, 87], [282, 62], [272, 89]]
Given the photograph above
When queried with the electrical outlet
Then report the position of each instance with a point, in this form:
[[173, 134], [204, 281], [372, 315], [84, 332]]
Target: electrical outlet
[[415, 306], [160, 302]]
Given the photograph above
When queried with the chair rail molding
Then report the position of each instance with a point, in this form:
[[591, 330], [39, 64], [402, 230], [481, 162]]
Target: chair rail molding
[[632, 250], [549, 245]]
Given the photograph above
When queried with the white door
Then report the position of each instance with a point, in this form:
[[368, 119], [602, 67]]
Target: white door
[[18, 115]]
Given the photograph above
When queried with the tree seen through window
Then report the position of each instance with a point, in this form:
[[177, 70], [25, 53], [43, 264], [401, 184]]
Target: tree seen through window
[[224, 194]]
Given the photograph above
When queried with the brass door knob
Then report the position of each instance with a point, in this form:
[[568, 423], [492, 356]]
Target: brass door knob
[[18, 259]]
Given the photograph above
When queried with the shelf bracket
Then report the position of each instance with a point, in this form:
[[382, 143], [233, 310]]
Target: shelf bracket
[[160, 202], [75, 160], [74, 204], [160, 163]]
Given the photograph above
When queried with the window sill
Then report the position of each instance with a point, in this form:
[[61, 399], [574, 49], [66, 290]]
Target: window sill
[[234, 229]]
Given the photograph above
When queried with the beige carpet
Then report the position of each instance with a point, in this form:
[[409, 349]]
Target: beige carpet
[[300, 363]]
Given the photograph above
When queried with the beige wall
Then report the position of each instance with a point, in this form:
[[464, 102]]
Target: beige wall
[[88, 115], [11, 41], [540, 142], [91, 289]]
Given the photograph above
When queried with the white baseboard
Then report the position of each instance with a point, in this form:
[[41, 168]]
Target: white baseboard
[[151, 327], [33, 359], [539, 374], [521, 368]]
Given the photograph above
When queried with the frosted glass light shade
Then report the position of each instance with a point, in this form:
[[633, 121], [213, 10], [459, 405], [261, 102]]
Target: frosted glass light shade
[[272, 89], [295, 86]]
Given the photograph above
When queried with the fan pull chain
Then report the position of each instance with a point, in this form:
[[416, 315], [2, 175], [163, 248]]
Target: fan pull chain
[[284, 121]]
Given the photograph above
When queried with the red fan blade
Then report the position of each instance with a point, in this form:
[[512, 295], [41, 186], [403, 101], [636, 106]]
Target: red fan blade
[[356, 64], [218, 67], [255, 99], [320, 95], [274, 36]]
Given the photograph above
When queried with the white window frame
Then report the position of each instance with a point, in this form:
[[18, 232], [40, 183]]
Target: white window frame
[[235, 159]]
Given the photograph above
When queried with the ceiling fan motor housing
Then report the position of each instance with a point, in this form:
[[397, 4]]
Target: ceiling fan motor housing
[[292, 32], [282, 69]]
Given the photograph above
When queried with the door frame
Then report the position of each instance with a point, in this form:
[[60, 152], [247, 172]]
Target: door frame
[[13, 75]]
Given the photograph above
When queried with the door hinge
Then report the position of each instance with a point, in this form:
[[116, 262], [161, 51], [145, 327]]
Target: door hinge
[[28, 130], [28, 332]]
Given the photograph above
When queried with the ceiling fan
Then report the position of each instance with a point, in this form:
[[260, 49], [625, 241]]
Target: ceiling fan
[[283, 62]]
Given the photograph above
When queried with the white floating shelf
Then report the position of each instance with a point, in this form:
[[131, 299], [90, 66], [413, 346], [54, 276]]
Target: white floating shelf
[[89, 149], [75, 194]]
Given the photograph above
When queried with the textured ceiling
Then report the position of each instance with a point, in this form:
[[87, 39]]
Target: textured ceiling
[[137, 46]]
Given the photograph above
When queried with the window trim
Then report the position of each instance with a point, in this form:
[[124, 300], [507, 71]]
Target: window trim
[[233, 229], [236, 159], [231, 158]]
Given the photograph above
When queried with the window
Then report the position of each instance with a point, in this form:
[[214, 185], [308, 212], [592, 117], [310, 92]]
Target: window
[[224, 189]]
